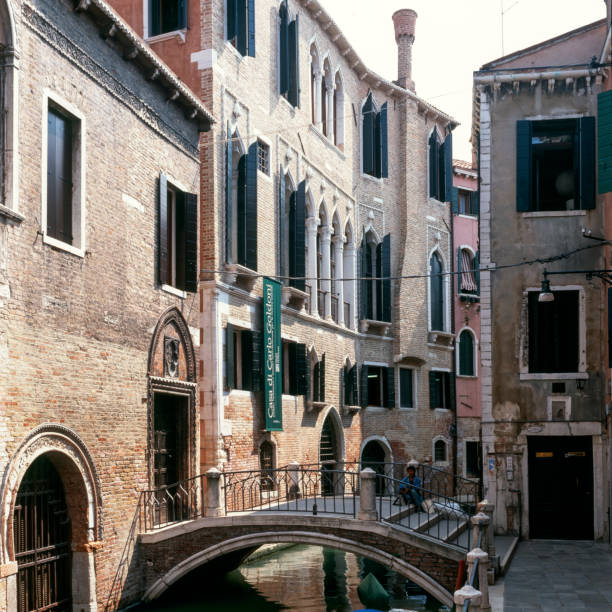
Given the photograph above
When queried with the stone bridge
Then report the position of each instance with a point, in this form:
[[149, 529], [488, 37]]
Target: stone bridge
[[173, 551]]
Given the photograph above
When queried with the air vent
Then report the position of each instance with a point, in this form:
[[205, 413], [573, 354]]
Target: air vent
[[558, 387]]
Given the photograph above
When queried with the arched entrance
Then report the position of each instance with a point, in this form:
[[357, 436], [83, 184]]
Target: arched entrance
[[42, 541], [330, 455], [376, 455]]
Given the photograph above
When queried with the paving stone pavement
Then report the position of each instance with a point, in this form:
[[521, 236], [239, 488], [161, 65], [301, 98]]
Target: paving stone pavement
[[557, 575]]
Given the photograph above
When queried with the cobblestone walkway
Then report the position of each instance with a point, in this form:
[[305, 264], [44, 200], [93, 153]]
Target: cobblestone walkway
[[558, 575]]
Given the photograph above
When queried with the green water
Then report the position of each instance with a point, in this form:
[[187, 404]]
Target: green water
[[300, 578]]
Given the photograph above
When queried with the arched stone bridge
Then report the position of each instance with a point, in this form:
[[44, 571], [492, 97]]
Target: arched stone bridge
[[172, 552]]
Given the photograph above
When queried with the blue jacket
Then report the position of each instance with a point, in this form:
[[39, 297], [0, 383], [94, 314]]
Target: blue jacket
[[406, 484]]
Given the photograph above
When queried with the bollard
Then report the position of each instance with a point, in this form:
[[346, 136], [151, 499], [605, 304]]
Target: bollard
[[367, 495], [294, 480], [483, 569], [486, 507], [479, 520], [468, 593], [213, 493]]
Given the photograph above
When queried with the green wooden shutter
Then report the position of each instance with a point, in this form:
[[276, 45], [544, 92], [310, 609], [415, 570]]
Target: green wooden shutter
[[284, 49], [455, 201], [377, 145], [162, 255], [182, 14], [241, 220], [604, 141], [466, 354], [231, 18], [241, 27], [230, 358], [251, 208], [386, 283], [246, 360], [448, 168], [459, 269], [610, 326], [434, 390], [316, 371], [251, 18], [363, 283], [367, 136], [294, 63], [587, 162], [322, 379], [191, 241], [389, 387], [364, 386], [297, 246], [354, 386], [475, 203], [346, 386], [228, 198], [154, 14], [477, 271], [378, 315], [384, 146], [281, 229], [452, 395], [523, 166], [257, 364], [302, 370], [433, 165]]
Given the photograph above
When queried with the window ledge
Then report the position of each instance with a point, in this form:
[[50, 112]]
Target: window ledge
[[63, 246], [289, 105], [241, 393], [553, 213], [443, 410], [552, 376], [377, 408], [10, 214], [315, 405], [473, 217], [380, 328], [293, 298], [234, 51], [441, 338], [435, 201], [467, 376], [469, 297], [327, 141], [174, 291], [179, 35], [407, 409], [236, 274], [351, 408], [369, 177]]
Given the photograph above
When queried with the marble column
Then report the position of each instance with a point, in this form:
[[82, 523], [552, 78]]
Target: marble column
[[312, 224]]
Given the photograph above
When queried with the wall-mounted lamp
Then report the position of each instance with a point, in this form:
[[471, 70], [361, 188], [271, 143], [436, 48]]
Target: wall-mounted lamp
[[546, 295], [580, 384]]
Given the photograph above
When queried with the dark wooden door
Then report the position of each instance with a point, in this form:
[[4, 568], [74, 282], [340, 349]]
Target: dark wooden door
[[561, 487], [328, 457], [42, 534], [373, 456]]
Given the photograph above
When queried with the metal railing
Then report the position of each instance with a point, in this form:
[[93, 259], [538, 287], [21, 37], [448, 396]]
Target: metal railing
[[180, 501], [440, 517], [291, 489], [473, 577]]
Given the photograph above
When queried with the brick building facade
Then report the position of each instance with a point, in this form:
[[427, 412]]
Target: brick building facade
[[365, 165], [99, 305], [544, 350]]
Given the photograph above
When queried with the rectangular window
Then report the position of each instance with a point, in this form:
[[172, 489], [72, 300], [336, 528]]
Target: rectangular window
[[167, 16], [554, 333], [556, 164], [263, 157], [440, 167], [377, 386], [406, 388], [240, 23], [472, 459], [177, 248], [441, 390], [60, 170], [466, 202], [296, 379], [242, 348], [351, 393]]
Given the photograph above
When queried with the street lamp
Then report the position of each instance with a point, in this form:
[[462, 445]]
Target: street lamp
[[546, 295]]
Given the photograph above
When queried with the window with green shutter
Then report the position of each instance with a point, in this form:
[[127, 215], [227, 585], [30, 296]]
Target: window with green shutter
[[555, 164], [440, 161], [441, 390], [243, 355], [406, 388], [604, 142], [374, 137], [167, 16], [466, 353], [289, 55]]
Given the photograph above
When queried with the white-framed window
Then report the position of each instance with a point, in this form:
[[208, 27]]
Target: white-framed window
[[164, 16], [438, 293], [467, 353], [440, 448], [63, 175], [468, 274], [338, 111]]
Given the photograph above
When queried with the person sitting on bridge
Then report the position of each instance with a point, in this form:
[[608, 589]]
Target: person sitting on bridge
[[410, 487]]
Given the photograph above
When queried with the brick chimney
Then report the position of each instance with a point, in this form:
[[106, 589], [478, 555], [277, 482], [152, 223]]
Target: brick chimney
[[404, 21]]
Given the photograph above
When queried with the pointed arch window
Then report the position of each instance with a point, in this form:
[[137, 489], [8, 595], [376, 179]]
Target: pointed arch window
[[240, 23], [375, 259], [289, 55], [440, 166], [437, 302], [339, 112], [467, 354]]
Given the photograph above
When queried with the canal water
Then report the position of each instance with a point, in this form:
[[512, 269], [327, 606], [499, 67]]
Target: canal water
[[297, 578]]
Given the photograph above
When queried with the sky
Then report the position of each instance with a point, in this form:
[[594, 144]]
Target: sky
[[454, 38]]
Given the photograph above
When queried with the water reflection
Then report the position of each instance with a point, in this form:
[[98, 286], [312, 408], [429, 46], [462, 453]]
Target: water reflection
[[298, 578]]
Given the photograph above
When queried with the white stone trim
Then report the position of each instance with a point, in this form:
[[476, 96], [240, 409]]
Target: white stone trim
[[457, 351]]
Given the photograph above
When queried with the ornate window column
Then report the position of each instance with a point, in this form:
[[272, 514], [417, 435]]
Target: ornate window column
[[331, 91], [349, 285], [312, 224], [318, 78], [326, 270], [338, 282]]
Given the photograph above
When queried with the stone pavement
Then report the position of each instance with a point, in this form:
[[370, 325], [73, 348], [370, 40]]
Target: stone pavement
[[551, 575]]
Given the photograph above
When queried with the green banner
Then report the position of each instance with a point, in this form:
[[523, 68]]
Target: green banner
[[273, 371]]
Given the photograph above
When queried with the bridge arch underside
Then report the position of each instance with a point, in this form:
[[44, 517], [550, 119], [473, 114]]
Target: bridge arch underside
[[439, 587]]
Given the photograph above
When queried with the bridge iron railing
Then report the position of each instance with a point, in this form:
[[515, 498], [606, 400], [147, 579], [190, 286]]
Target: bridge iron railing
[[438, 516], [291, 489]]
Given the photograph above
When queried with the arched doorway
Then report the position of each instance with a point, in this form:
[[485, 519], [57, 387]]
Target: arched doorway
[[329, 456], [42, 541], [374, 456]]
